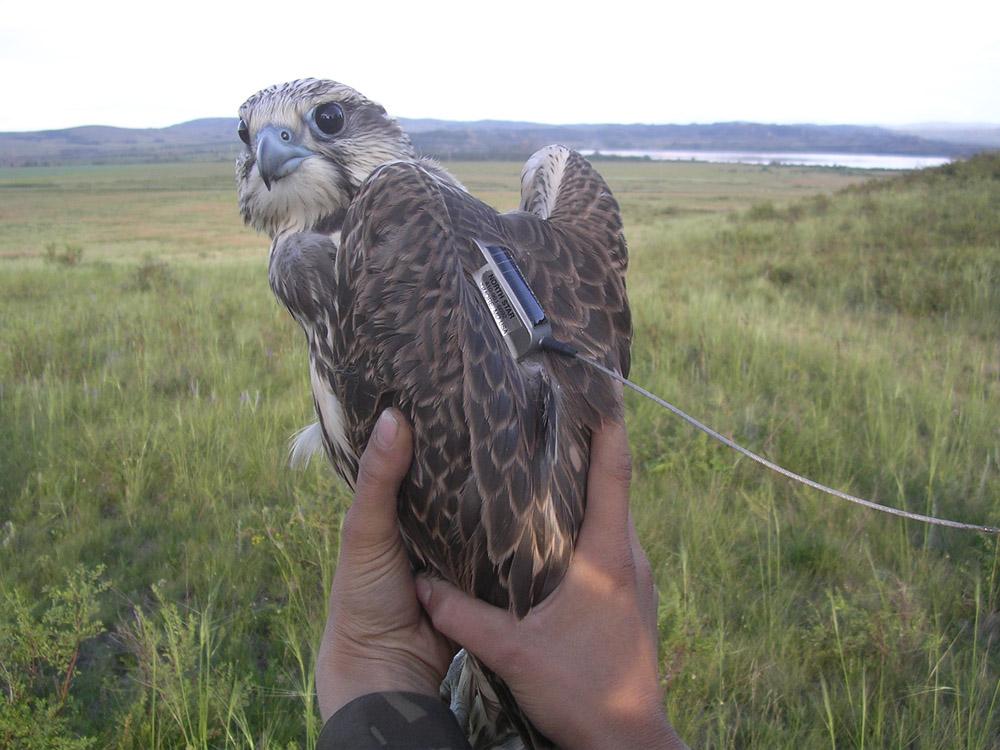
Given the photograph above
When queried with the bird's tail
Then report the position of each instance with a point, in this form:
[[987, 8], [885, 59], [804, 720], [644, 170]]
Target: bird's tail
[[486, 710], [559, 185]]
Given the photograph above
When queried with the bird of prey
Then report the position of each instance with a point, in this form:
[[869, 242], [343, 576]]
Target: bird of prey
[[373, 252]]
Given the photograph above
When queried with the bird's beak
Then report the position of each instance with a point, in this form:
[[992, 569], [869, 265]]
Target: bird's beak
[[278, 154]]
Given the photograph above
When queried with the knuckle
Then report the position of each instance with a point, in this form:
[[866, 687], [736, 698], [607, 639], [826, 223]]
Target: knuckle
[[370, 472], [643, 570], [443, 608], [350, 527], [626, 567], [620, 467], [619, 565], [438, 606]]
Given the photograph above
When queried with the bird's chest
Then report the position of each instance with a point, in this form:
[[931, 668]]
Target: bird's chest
[[329, 404]]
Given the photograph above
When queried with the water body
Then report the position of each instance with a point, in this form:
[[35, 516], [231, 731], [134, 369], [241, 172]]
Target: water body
[[855, 161]]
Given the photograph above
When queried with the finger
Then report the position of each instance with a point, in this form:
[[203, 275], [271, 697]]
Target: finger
[[605, 524], [485, 630], [372, 517]]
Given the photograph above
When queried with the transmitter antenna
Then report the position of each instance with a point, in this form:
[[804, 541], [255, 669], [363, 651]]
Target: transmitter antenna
[[525, 329], [552, 345]]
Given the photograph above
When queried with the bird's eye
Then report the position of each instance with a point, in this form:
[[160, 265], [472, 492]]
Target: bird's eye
[[243, 132], [329, 118]]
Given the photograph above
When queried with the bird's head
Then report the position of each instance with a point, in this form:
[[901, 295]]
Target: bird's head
[[308, 147]]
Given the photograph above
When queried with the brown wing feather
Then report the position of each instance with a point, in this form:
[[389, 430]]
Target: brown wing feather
[[477, 506], [583, 230], [495, 495]]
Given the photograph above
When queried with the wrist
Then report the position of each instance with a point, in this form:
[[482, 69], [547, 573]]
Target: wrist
[[658, 736], [645, 729], [342, 679]]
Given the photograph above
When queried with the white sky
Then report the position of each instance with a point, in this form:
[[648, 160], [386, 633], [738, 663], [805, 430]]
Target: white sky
[[846, 61]]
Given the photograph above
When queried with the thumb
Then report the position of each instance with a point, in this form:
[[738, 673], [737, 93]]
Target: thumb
[[371, 519], [478, 627]]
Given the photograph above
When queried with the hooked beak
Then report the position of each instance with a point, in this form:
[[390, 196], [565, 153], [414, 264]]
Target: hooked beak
[[278, 155]]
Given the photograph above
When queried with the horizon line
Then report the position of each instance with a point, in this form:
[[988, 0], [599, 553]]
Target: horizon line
[[932, 124]]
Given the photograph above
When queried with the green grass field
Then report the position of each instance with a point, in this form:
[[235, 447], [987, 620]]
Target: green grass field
[[163, 575]]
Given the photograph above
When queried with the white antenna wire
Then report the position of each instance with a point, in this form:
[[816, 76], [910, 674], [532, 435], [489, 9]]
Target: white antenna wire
[[523, 325], [763, 461]]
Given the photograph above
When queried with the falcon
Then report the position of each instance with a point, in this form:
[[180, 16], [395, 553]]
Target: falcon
[[373, 252]]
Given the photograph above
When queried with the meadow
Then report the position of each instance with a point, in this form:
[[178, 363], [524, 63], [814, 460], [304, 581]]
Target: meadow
[[163, 573]]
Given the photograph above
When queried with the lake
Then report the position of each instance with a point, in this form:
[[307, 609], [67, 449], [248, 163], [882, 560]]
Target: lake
[[856, 161]]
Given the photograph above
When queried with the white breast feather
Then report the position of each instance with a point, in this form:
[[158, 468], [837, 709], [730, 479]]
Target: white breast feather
[[304, 444], [331, 412]]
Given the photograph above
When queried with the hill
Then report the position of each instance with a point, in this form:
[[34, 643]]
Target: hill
[[982, 135], [210, 139], [480, 140], [214, 139]]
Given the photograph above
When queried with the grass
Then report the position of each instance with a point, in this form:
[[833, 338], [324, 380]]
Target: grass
[[848, 330]]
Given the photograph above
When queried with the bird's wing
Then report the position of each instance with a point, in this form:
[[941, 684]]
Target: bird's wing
[[577, 255], [477, 505], [494, 498], [302, 275], [569, 242]]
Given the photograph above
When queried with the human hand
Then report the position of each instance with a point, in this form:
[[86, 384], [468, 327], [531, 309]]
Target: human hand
[[377, 636], [582, 664]]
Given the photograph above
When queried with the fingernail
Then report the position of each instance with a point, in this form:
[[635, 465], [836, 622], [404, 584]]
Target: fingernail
[[386, 429], [423, 590]]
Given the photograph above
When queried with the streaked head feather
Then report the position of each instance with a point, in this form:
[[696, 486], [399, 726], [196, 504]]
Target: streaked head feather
[[322, 185]]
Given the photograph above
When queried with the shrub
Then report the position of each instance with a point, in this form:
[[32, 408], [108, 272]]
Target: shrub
[[764, 211], [151, 274], [70, 255], [38, 661]]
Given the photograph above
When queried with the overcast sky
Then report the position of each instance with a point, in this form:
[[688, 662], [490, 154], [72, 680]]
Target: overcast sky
[[851, 61]]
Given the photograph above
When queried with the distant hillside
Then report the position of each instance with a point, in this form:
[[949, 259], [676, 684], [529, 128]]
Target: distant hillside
[[210, 139], [517, 140], [214, 139], [922, 244], [984, 135]]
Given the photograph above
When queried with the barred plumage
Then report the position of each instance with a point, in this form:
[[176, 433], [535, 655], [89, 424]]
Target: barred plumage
[[372, 253]]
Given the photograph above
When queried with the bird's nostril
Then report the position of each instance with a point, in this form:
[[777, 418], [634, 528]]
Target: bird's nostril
[[285, 135]]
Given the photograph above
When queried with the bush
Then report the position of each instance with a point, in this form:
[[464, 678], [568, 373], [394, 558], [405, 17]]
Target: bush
[[764, 211], [38, 661], [151, 274], [70, 255]]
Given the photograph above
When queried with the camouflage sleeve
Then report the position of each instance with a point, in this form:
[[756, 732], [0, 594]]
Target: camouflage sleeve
[[393, 721]]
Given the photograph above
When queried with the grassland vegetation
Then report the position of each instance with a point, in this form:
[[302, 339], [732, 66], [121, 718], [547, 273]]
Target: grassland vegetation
[[69, 255], [164, 574]]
